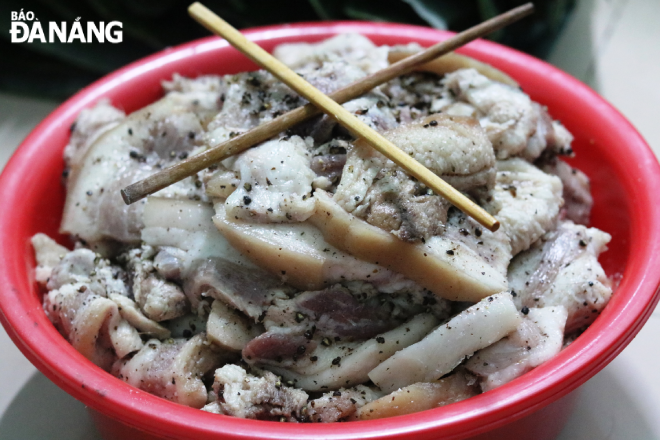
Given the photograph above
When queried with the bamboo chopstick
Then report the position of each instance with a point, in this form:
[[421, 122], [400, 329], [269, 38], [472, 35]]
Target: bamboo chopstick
[[278, 69], [242, 142]]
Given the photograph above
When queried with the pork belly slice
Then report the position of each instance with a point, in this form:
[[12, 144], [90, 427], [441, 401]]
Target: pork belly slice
[[373, 188], [335, 63], [354, 48], [328, 364], [339, 405], [48, 254], [228, 329], [239, 394], [90, 124], [514, 124], [297, 253], [185, 230], [243, 289], [78, 306], [447, 346], [537, 339], [420, 396], [84, 266], [172, 369], [350, 314], [158, 299], [450, 62], [193, 251], [203, 91], [562, 269], [526, 201], [91, 323], [577, 191], [253, 98], [450, 269], [130, 311], [151, 138], [334, 315], [275, 183]]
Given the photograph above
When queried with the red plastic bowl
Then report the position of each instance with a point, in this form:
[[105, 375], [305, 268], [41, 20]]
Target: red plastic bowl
[[625, 180]]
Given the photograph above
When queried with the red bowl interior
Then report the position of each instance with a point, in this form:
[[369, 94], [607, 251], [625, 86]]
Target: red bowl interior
[[625, 180]]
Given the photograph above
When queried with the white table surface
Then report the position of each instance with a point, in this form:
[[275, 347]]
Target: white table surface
[[612, 45]]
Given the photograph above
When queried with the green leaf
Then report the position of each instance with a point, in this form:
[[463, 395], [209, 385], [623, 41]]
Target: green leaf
[[487, 10], [429, 13], [327, 9]]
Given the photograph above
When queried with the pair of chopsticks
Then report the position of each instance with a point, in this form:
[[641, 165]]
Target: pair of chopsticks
[[329, 104]]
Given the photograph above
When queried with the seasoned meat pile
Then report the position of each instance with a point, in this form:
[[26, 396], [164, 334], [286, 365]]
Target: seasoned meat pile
[[309, 279]]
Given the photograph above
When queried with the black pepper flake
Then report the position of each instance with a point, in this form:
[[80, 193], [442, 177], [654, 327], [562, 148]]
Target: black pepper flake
[[336, 361], [247, 200], [380, 340], [130, 132], [183, 155], [524, 310], [464, 231], [477, 232], [591, 283], [301, 349], [490, 299], [450, 252], [300, 317], [433, 123], [426, 125], [65, 173], [337, 394], [309, 334], [314, 358], [89, 193], [583, 243], [513, 293]]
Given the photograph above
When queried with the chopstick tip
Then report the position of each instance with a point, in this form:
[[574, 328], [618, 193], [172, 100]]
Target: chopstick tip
[[125, 194], [195, 7]]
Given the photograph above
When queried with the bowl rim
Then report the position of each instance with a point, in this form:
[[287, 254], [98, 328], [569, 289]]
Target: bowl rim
[[570, 368]]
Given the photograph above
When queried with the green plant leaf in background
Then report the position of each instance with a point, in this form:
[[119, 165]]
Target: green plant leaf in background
[[55, 70]]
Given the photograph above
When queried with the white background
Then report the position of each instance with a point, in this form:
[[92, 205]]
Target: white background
[[612, 45]]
